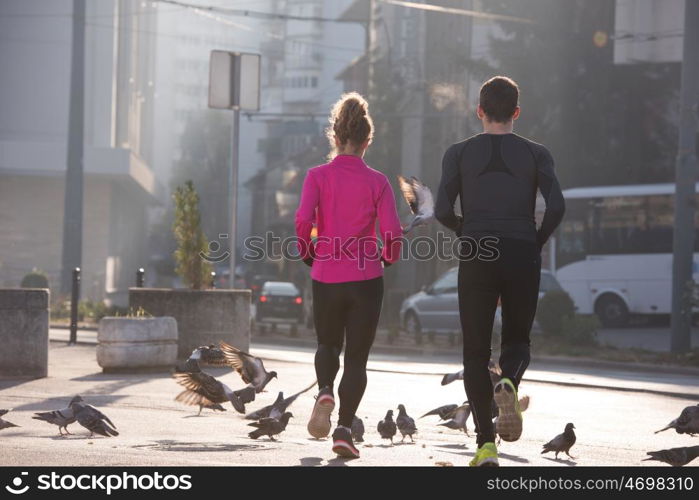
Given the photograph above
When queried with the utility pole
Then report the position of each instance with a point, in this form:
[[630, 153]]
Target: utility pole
[[233, 186], [73, 201], [685, 181]]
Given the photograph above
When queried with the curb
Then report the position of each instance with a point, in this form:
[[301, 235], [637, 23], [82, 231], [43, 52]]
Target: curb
[[67, 327]]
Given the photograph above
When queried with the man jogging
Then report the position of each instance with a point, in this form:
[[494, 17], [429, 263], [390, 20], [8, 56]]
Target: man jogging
[[496, 175]]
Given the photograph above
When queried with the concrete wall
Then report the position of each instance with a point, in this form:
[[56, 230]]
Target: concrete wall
[[24, 332], [203, 316]]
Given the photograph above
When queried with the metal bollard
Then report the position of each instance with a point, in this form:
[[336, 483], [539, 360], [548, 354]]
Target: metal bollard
[[140, 274], [74, 299], [213, 279]]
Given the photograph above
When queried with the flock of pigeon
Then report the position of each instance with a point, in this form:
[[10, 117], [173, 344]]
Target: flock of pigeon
[[687, 423], [77, 411], [205, 391]]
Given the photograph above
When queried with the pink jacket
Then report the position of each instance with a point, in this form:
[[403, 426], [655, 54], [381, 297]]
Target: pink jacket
[[344, 198]]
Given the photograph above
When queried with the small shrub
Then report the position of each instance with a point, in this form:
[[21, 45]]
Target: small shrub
[[580, 329], [95, 311], [191, 242], [35, 279], [554, 308]]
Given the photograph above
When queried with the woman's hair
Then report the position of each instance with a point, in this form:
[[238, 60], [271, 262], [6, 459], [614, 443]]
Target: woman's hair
[[350, 122]]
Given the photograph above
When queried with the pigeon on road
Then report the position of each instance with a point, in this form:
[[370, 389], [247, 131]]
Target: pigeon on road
[[62, 418], [270, 427], [686, 423], [677, 457], [93, 420], [458, 417], [444, 412], [452, 377], [493, 369], [205, 391], [405, 423], [276, 409], [4, 424], [524, 402], [562, 443], [251, 369], [419, 199], [387, 427], [357, 429]]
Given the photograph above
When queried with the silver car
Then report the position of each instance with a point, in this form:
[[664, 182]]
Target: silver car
[[435, 309]]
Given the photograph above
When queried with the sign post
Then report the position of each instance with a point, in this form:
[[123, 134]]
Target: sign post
[[234, 83]]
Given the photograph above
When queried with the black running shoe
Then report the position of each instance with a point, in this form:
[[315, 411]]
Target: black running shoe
[[343, 445]]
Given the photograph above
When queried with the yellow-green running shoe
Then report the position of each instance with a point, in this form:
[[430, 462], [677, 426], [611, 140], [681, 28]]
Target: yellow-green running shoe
[[509, 421], [486, 456]]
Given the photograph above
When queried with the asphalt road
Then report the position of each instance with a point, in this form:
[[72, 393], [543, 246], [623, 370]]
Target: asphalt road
[[614, 427]]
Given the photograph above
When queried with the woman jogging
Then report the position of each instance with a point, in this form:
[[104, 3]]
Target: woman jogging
[[344, 198]]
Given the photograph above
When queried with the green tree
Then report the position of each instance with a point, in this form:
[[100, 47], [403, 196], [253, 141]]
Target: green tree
[[563, 62], [191, 242]]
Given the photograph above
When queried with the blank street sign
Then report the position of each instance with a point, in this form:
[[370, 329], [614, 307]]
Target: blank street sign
[[234, 80]]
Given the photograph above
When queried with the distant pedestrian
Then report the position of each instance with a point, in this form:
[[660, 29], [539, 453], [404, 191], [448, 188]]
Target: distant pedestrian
[[496, 175], [344, 199]]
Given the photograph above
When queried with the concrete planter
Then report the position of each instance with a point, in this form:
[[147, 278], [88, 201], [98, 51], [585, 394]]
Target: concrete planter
[[24, 332], [203, 316], [137, 344]]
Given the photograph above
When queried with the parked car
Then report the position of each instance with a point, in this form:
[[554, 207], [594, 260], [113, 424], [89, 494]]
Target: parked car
[[435, 309], [280, 300], [256, 283]]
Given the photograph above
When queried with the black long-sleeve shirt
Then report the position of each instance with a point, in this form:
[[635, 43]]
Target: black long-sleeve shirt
[[496, 178]]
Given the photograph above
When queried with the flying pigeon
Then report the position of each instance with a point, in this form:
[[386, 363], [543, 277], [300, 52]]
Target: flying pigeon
[[270, 426], [278, 407], [209, 355], [562, 443], [357, 429], [93, 420], [419, 199], [443, 412], [246, 394], [62, 418], [4, 424], [192, 398], [677, 457], [405, 423], [458, 417], [251, 369], [205, 391], [387, 427], [686, 423]]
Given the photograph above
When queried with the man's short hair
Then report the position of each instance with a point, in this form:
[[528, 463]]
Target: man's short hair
[[499, 98]]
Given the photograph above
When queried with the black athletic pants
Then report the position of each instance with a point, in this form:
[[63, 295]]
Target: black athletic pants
[[346, 310], [513, 277]]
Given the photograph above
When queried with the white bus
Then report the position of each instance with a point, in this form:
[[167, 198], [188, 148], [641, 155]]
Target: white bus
[[613, 250]]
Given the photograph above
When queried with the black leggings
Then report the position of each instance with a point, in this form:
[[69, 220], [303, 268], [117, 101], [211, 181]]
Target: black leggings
[[514, 278], [348, 310]]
